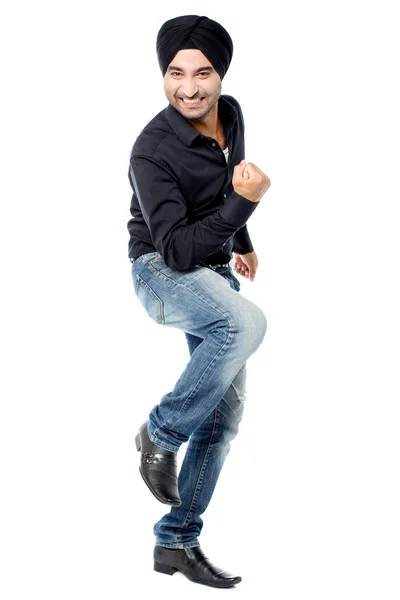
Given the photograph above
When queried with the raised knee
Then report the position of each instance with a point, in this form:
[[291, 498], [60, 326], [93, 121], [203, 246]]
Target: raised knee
[[255, 326], [262, 323]]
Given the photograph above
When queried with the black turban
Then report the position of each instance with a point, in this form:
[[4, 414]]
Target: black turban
[[192, 31]]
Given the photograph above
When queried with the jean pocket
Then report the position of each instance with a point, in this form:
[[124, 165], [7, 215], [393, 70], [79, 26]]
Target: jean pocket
[[152, 303], [150, 256], [235, 283], [137, 261]]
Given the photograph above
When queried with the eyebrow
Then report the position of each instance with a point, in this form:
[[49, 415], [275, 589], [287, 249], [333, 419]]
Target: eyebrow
[[172, 68]]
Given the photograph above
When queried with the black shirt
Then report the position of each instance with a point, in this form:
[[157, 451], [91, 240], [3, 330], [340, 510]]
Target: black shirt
[[183, 204]]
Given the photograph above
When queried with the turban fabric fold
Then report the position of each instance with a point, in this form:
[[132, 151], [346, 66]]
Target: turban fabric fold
[[192, 31]]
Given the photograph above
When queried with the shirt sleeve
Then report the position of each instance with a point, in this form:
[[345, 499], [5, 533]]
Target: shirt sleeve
[[242, 242], [182, 245]]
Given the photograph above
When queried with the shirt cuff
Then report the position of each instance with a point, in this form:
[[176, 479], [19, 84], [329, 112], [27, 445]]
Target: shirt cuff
[[237, 210], [242, 242]]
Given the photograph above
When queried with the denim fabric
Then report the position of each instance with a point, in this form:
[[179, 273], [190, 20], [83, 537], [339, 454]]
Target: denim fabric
[[223, 329]]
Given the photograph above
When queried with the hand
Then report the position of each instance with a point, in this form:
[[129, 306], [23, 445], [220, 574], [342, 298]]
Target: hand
[[249, 181], [246, 264]]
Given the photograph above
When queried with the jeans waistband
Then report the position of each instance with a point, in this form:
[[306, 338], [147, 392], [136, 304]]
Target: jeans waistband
[[217, 266], [204, 264]]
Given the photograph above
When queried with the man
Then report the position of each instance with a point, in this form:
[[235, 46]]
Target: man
[[192, 196]]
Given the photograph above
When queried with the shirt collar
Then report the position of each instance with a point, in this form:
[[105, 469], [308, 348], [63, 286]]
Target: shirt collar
[[187, 133]]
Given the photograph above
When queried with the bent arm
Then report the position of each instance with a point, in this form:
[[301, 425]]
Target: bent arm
[[182, 245]]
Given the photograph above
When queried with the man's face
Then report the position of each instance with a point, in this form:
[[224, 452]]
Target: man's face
[[191, 84]]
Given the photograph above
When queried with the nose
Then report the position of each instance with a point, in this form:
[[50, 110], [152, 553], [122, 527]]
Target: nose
[[189, 87]]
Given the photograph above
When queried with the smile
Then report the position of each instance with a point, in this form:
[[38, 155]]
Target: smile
[[197, 101]]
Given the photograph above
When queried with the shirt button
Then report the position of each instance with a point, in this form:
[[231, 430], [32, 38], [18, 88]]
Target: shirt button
[[213, 144], [224, 195]]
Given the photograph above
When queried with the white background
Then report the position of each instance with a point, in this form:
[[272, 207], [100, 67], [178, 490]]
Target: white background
[[308, 502]]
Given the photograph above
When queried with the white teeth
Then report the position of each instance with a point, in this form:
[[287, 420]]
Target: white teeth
[[192, 101]]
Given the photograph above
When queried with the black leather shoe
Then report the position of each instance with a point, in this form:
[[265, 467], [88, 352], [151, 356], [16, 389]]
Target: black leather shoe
[[194, 564], [158, 467]]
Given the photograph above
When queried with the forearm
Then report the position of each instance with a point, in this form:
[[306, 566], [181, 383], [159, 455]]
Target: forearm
[[183, 245]]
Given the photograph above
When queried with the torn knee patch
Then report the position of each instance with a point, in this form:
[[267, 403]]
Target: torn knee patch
[[241, 396]]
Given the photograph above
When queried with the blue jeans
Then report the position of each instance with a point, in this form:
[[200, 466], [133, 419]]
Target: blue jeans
[[223, 329]]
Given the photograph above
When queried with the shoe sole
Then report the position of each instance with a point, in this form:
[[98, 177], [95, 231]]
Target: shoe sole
[[167, 570]]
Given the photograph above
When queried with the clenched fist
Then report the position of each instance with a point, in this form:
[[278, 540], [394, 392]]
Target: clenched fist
[[249, 181]]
